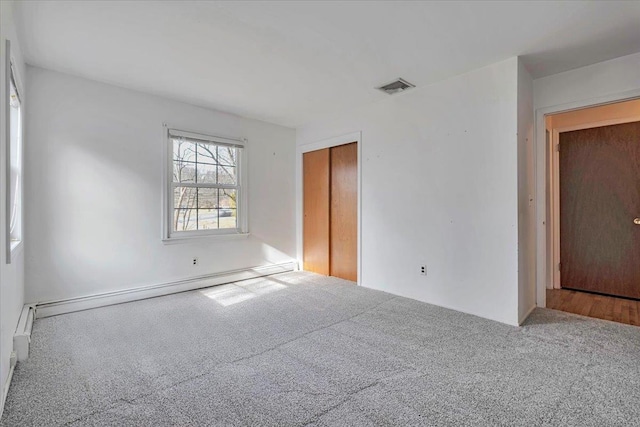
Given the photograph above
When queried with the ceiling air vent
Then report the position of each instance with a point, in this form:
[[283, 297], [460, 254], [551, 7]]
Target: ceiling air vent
[[396, 86]]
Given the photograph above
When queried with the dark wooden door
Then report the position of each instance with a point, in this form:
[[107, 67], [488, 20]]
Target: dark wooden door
[[316, 188], [599, 204], [344, 212]]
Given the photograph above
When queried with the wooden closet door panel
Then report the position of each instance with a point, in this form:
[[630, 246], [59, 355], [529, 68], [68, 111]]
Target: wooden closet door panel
[[599, 200], [344, 211], [316, 190]]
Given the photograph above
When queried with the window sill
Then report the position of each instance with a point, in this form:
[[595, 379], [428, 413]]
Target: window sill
[[204, 238]]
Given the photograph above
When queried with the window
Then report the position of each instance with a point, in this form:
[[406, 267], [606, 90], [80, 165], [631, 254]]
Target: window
[[206, 194], [14, 164]]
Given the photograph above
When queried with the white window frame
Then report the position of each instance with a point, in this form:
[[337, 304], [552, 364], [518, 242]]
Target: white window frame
[[14, 211], [170, 236]]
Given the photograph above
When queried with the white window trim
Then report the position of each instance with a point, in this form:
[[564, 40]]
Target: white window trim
[[16, 248], [13, 247], [169, 236]]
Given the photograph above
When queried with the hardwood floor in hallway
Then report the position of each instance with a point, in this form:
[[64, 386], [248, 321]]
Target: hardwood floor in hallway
[[620, 310]]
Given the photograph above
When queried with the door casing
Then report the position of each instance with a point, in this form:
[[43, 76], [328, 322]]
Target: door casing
[[543, 230]]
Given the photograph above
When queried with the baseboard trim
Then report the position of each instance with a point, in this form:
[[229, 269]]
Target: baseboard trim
[[7, 384], [54, 308]]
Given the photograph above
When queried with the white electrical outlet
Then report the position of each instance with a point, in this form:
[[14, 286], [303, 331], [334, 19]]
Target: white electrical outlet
[[195, 260], [423, 270]]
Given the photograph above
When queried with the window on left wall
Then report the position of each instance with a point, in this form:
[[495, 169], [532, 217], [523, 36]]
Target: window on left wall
[[14, 211]]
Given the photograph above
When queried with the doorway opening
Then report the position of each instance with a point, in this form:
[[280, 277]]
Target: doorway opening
[[593, 211]]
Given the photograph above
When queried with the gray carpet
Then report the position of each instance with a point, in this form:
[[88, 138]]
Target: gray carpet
[[302, 349]]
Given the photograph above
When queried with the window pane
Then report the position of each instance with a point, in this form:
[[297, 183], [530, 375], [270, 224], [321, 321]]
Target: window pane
[[227, 199], [184, 219], [227, 175], [15, 185], [206, 173], [184, 151], [228, 218], [184, 197], [204, 164], [227, 208], [227, 155], [207, 153], [207, 219], [207, 198], [184, 171]]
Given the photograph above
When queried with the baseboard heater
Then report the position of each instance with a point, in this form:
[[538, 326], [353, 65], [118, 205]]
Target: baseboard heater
[[53, 308], [22, 337], [21, 343]]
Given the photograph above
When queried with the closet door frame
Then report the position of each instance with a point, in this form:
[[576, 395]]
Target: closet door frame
[[319, 145]]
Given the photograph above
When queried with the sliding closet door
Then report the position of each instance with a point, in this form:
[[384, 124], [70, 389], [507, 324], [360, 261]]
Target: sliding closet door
[[330, 211], [344, 212], [316, 186]]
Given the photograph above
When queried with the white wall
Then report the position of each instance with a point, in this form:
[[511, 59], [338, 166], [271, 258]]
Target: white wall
[[11, 275], [595, 84], [588, 83], [439, 187], [94, 184], [526, 196]]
